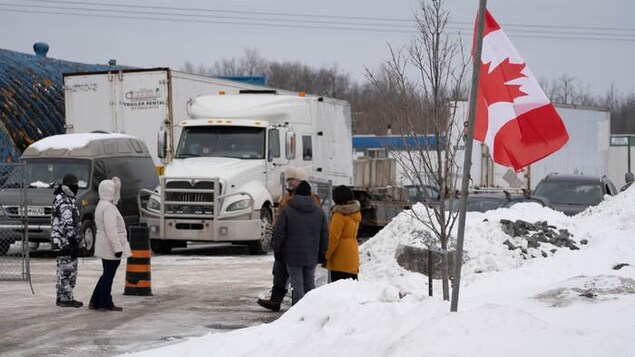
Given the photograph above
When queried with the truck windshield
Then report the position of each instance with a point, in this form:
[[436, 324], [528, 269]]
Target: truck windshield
[[222, 141], [44, 173]]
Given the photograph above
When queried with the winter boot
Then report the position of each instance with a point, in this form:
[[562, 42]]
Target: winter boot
[[273, 303], [71, 303]]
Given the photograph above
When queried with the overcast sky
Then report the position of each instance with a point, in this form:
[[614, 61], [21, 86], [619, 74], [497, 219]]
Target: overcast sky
[[603, 51]]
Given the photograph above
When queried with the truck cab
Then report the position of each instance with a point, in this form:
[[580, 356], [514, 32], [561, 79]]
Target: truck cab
[[226, 177]]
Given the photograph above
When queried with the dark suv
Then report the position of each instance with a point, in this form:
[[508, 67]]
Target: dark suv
[[572, 194], [483, 200]]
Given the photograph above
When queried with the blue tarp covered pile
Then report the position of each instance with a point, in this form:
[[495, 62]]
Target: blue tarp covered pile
[[32, 99]]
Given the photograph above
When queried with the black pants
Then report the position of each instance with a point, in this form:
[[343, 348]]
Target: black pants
[[101, 295], [280, 280], [339, 275]]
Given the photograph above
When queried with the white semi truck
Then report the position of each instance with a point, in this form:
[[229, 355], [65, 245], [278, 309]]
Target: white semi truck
[[226, 176]]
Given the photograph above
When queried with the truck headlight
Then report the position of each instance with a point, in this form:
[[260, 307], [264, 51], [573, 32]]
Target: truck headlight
[[154, 204], [238, 205]]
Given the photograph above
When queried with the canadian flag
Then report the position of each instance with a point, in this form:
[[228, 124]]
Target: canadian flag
[[514, 117]]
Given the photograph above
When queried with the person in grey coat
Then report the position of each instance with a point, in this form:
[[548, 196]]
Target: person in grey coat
[[300, 238]]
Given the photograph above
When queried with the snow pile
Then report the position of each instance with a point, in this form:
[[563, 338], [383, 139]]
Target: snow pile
[[72, 141], [484, 241], [574, 302]]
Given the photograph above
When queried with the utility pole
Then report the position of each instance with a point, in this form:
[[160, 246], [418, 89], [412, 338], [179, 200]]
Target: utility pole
[[629, 153], [467, 165]]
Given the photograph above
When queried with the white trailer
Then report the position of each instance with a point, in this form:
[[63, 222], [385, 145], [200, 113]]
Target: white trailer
[[621, 158], [226, 175], [137, 102], [586, 152]]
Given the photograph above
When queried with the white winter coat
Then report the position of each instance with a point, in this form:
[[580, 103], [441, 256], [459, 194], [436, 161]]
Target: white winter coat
[[111, 234]]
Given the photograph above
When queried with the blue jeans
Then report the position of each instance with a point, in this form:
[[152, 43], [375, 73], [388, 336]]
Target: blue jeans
[[302, 280], [280, 280], [101, 295]]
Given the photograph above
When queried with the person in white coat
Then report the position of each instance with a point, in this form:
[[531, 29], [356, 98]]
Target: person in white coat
[[111, 243]]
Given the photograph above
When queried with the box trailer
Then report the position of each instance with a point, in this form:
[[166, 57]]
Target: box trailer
[[138, 102]]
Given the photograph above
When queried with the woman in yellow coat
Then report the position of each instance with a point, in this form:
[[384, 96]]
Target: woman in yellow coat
[[342, 255]]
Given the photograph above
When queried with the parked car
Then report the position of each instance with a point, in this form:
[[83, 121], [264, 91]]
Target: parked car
[[572, 194], [629, 178], [423, 194], [485, 201], [92, 157]]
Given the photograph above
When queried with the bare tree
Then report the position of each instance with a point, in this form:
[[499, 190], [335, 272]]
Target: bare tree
[[432, 131], [568, 90], [329, 81], [252, 64], [223, 67], [380, 106], [622, 109]]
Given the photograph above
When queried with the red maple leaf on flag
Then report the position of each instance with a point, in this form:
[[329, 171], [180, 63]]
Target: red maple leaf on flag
[[493, 87], [494, 83]]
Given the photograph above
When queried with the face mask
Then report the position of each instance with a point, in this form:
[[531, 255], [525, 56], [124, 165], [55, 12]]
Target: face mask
[[74, 188]]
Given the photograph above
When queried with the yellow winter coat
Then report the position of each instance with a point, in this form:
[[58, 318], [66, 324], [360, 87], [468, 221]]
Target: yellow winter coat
[[343, 252]]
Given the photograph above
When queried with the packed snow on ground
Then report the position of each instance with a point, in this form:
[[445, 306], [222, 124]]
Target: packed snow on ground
[[570, 303]]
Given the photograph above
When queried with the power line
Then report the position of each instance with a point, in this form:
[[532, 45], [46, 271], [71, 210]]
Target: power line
[[282, 14], [196, 15], [410, 27], [346, 26], [224, 11], [565, 27], [201, 21]]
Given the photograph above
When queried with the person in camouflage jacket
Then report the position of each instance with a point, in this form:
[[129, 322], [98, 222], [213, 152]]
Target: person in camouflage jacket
[[66, 240]]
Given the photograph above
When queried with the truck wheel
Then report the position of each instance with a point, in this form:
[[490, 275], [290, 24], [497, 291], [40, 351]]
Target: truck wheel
[[263, 245], [160, 246], [88, 229]]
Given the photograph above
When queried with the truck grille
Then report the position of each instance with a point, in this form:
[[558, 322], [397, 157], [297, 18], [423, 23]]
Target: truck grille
[[34, 211], [189, 197]]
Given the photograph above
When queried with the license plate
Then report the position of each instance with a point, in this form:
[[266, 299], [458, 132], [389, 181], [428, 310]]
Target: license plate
[[35, 211]]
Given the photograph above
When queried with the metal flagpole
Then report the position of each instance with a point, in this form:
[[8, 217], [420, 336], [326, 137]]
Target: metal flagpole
[[467, 165]]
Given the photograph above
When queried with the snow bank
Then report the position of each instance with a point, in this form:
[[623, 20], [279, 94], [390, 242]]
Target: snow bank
[[484, 249], [578, 302]]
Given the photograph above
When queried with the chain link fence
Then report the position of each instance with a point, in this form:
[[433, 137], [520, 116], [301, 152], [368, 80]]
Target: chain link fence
[[14, 240]]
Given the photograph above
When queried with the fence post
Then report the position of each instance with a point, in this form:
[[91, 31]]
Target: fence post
[[138, 265], [430, 272]]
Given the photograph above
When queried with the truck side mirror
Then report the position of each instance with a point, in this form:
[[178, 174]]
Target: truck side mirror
[[162, 144]]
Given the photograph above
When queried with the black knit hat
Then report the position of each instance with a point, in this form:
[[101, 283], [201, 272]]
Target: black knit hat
[[303, 189], [342, 195], [69, 180]]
